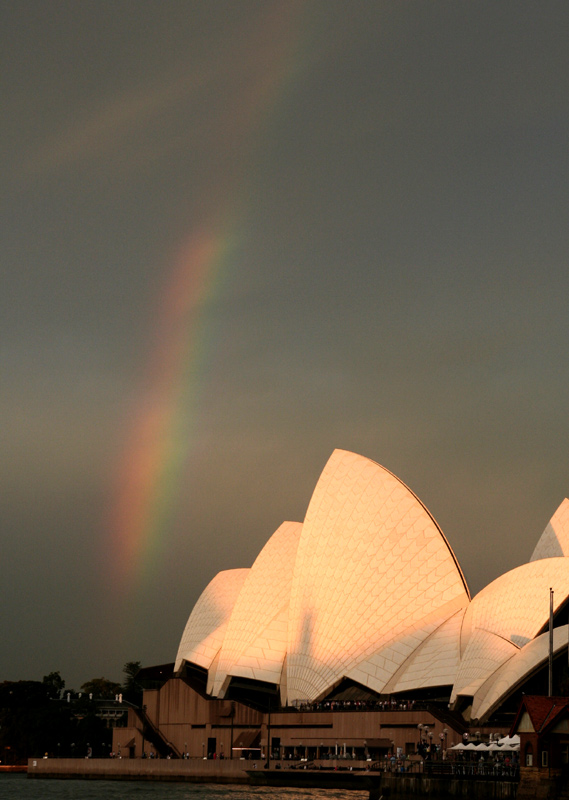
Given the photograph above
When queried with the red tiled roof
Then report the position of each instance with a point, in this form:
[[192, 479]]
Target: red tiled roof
[[542, 710]]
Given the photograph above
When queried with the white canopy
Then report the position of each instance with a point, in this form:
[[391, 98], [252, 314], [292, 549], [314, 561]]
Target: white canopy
[[515, 739]]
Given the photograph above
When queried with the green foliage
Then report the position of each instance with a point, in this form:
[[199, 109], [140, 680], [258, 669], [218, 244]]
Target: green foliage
[[54, 684], [101, 688], [31, 721], [35, 717], [132, 689], [131, 670]]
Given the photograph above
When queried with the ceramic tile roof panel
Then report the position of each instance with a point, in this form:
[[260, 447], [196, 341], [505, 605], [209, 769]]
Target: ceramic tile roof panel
[[484, 654], [554, 541], [206, 626], [516, 605], [371, 563], [263, 660], [515, 672], [435, 662], [254, 625], [378, 672]]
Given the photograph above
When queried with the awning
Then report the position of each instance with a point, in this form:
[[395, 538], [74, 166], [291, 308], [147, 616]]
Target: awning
[[247, 740], [515, 739], [378, 744], [331, 743]]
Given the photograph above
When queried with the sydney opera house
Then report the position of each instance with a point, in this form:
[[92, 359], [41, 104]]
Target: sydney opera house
[[362, 606]]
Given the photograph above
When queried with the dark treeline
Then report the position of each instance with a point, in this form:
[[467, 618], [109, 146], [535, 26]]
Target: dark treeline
[[42, 717]]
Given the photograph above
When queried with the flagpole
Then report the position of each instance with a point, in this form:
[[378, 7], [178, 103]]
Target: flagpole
[[550, 642]]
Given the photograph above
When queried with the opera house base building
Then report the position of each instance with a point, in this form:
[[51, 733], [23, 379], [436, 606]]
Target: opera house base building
[[353, 637]]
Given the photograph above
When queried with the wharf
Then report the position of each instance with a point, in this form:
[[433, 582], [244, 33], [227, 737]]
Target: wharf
[[239, 771], [228, 771], [194, 770], [316, 779]]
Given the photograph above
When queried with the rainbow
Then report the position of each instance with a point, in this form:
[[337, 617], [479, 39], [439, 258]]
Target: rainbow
[[159, 443], [155, 455]]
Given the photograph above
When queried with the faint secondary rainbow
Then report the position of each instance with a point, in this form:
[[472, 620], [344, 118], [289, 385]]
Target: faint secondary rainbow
[[160, 440]]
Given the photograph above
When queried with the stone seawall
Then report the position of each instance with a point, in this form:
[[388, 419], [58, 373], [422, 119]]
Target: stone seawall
[[391, 786], [194, 770]]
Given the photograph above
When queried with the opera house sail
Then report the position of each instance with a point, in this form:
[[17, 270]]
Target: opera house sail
[[367, 592]]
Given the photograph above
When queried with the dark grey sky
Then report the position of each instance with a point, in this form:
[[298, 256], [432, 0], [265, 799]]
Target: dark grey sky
[[272, 229]]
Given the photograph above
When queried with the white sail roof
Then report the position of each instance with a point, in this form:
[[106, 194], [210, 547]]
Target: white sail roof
[[371, 564], [205, 628], [554, 541], [368, 589], [505, 616], [435, 662], [255, 641], [515, 672]]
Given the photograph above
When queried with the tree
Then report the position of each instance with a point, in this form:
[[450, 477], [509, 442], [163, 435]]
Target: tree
[[132, 688], [54, 684], [31, 721], [101, 688], [131, 670]]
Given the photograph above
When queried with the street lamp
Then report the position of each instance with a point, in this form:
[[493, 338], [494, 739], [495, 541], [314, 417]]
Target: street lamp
[[232, 716]]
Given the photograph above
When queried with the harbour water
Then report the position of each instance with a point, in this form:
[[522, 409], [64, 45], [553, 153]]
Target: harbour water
[[19, 787]]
